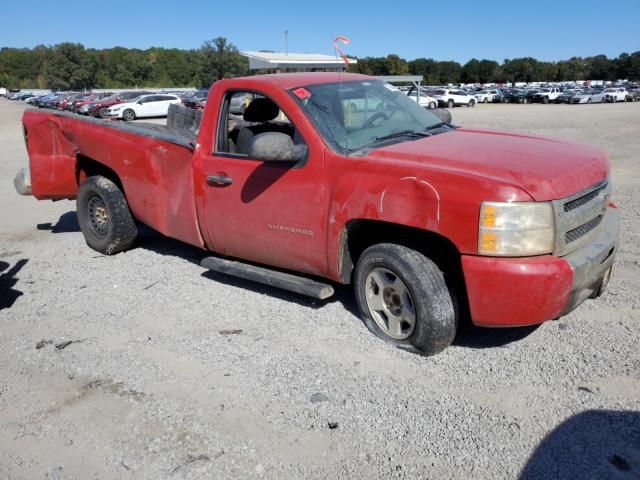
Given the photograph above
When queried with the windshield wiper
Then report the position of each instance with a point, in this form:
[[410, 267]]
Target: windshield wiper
[[404, 133], [437, 125]]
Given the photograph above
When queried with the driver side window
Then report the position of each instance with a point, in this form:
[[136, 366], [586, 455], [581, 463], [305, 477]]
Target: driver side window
[[248, 114]]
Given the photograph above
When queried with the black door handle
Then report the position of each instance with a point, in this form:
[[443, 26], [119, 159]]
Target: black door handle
[[219, 180]]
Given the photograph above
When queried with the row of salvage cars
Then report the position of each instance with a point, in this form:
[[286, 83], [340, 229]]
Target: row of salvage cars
[[127, 105], [572, 95]]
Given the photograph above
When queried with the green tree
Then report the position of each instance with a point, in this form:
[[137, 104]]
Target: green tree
[[220, 59], [394, 65], [66, 68]]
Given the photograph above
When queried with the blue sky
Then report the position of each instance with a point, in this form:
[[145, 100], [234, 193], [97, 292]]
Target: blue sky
[[444, 30]]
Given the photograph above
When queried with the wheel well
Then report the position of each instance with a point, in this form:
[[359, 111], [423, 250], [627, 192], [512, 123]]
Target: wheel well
[[358, 235], [87, 167]]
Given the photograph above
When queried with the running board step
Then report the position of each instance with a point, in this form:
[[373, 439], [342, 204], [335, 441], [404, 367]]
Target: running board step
[[286, 281]]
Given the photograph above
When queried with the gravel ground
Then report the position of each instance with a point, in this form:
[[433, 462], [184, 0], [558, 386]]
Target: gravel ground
[[151, 388]]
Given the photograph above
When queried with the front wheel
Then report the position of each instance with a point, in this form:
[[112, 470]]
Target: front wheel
[[433, 104], [545, 99], [472, 103], [104, 216], [403, 299], [129, 115]]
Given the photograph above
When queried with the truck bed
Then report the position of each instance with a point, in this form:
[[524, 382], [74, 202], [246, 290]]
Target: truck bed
[[178, 136]]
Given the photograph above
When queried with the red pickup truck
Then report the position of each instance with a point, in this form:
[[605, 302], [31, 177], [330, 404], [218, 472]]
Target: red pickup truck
[[341, 178]]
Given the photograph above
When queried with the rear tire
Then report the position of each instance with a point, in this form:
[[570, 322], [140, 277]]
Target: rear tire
[[102, 113], [104, 217], [403, 299]]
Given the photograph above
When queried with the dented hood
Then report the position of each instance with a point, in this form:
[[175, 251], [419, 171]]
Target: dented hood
[[546, 168]]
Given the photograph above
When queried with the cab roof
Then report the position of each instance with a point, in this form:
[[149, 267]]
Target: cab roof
[[290, 80]]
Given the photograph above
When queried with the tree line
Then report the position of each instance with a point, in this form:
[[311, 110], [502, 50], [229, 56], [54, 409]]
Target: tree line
[[71, 66], [624, 67]]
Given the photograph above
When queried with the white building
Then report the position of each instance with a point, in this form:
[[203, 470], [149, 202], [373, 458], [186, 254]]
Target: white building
[[295, 62]]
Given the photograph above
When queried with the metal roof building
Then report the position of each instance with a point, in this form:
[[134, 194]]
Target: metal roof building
[[286, 62]]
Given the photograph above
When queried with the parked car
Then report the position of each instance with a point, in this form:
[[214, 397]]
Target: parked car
[[633, 95], [589, 96], [453, 98], [486, 96], [547, 95], [93, 98], [425, 100], [239, 102], [154, 105], [101, 107], [423, 218], [616, 94], [567, 95], [191, 99]]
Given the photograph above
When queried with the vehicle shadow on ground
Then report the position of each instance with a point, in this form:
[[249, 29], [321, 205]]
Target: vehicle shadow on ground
[[67, 223], [591, 444], [8, 280], [469, 336]]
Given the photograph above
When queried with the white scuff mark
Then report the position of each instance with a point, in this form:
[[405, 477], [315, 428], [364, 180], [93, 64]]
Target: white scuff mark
[[382, 199], [434, 191]]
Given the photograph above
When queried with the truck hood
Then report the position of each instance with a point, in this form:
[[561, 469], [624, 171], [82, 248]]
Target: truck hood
[[546, 168]]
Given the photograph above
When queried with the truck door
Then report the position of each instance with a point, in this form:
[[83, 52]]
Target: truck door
[[266, 212]]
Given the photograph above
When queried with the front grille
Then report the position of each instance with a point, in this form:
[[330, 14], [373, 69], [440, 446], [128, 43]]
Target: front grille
[[578, 202], [577, 217], [576, 233]]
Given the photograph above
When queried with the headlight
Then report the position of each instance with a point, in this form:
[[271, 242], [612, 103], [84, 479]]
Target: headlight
[[515, 229]]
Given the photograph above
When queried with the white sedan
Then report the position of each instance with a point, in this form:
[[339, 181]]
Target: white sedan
[[154, 105], [425, 100]]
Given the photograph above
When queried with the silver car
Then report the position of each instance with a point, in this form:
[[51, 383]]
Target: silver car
[[590, 96]]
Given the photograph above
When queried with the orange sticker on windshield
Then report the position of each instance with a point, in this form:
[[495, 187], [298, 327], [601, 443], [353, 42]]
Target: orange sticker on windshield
[[302, 93]]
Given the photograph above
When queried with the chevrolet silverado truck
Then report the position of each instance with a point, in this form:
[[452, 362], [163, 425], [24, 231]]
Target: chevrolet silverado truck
[[429, 222]]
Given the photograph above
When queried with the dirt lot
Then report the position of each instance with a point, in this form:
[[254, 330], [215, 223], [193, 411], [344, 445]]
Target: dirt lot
[[150, 388]]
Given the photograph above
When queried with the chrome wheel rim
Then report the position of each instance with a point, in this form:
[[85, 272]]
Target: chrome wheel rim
[[98, 217], [390, 303]]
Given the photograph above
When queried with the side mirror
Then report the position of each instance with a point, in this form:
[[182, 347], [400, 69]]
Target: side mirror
[[275, 147]]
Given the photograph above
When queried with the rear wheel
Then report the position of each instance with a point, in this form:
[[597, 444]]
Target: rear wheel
[[403, 299], [102, 113], [129, 115], [104, 216]]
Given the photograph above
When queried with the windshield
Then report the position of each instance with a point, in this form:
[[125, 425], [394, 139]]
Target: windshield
[[350, 115]]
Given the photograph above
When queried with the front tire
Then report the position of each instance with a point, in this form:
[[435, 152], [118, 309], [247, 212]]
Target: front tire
[[104, 217], [129, 115], [450, 103], [472, 103], [403, 299], [433, 105]]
